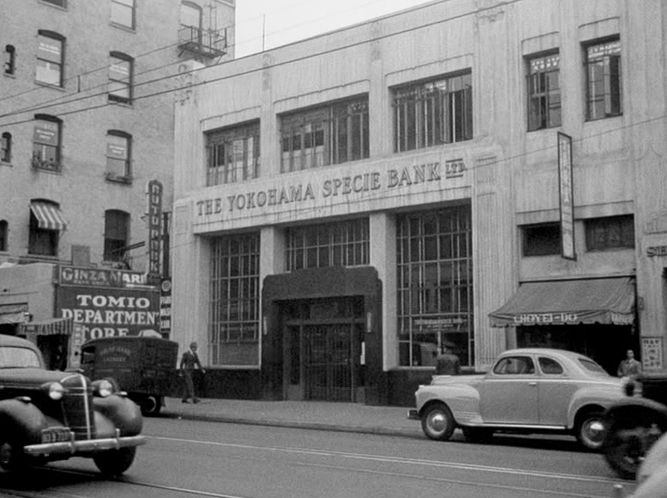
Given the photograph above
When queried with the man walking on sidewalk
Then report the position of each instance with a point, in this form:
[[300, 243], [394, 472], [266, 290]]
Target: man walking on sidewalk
[[189, 361]]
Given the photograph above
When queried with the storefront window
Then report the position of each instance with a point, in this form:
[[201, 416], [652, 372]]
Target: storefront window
[[434, 291], [234, 301], [330, 244]]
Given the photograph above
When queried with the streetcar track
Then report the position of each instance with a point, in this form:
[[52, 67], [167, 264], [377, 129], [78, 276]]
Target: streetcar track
[[412, 461]]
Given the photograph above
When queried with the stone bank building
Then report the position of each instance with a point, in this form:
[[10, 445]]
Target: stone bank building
[[488, 174]]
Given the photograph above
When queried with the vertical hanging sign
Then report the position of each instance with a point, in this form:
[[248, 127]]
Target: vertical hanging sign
[[566, 196], [154, 194]]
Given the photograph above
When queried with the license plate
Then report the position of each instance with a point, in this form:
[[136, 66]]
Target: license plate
[[56, 435]]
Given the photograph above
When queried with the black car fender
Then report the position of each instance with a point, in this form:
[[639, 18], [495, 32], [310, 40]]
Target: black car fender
[[633, 407], [123, 413], [21, 420]]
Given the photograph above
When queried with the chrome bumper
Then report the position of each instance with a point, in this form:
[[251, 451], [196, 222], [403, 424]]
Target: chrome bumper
[[83, 446], [413, 414]]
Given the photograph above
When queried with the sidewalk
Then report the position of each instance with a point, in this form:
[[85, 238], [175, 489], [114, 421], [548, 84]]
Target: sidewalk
[[330, 416]]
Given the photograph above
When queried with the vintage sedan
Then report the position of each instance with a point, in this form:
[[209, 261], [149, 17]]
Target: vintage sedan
[[53, 415], [527, 390]]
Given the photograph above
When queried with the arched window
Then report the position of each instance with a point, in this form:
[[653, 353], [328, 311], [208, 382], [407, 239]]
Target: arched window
[[46, 142], [3, 235], [50, 57], [120, 77], [10, 59], [119, 154], [6, 147], [116, 234]]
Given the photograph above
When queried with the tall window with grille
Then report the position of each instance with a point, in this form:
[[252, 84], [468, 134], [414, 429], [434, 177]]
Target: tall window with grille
[[433, 112], [119, 146], [120, 77], [603, 79], [50, 58], [543, 92], [46, 143], [434, 291], [233, 154], [116, 234], [234, 300], [344, 243], [331, 134]]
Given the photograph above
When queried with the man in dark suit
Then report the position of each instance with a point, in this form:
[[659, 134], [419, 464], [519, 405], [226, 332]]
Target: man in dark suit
[[447, 363], [190, 361]]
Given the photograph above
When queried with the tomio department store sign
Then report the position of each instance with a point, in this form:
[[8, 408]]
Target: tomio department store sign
[[107, 303]]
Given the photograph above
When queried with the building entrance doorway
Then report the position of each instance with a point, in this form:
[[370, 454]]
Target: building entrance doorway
[[324, 350]]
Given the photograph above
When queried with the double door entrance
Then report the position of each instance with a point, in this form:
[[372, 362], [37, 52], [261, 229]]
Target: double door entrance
[[324, 352]]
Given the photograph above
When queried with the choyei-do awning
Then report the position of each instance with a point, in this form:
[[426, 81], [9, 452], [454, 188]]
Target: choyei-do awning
[[569, 302], [48, 216]]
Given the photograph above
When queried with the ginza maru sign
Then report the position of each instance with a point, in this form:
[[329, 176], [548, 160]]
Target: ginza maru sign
[[239, 202]]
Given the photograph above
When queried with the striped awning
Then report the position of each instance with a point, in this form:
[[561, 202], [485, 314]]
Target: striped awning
[[53, 326], [48, 216]]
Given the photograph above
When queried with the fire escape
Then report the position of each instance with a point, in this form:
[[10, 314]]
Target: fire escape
[[204, 43]]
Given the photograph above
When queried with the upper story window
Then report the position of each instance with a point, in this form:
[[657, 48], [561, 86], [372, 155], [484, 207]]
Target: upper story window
[[120, 77], [46, 143], [10, 59], [331, 134], [119, 148], [122, 13], [50, 58], [233, 154], [191, 15], [603, 79], [3, 235], [6, 147], [116, 234], [612, 232], [46, 223], [543, 92], [59, 3], [433, 112], [541, 240]]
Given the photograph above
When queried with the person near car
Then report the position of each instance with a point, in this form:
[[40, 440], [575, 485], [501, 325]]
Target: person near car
[[629, 367], [447, 363], [189, 362]]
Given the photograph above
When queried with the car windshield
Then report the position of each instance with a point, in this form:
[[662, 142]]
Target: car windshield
[[17, 357], [591, 366]]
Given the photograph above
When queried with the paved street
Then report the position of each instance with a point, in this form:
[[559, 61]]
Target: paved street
[[197, 458]]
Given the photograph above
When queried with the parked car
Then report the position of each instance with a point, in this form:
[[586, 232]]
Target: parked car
[[53, 415], [635, 423], [144, 367], [528, 390]]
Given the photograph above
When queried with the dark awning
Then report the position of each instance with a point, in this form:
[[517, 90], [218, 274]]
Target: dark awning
[[568, 302], [48, 216]]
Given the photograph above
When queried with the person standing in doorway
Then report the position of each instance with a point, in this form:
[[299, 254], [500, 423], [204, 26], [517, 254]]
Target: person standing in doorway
[[190, 361], [447, 363], [629, 367]]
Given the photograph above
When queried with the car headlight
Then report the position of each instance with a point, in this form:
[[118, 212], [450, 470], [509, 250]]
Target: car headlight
[[56, 390], [103, 388]]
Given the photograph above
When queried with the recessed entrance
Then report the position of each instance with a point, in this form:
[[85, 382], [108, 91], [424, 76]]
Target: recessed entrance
[[323, 349]]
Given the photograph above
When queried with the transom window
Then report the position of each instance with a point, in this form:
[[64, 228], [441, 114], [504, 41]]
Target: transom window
[[434, 285], [46, 143], [233, 154], [603, 79], [234, 299], [116, 234], [118, 156], [543, 85], [344, 243], [613, 232], [50, 57], [122, 12], [120, 78], [331, 134], [433, 112]]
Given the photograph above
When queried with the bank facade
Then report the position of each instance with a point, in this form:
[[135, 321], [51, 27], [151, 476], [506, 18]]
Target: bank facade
[[463, 171]]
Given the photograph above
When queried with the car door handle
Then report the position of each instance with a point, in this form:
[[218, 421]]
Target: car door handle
[[533, 383]]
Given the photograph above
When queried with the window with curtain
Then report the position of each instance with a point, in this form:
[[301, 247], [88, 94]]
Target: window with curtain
[[50, 58]]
